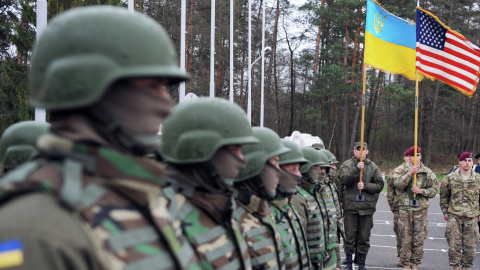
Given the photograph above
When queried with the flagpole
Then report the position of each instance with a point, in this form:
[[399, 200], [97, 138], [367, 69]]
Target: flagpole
[[414, 203], [360, 197]]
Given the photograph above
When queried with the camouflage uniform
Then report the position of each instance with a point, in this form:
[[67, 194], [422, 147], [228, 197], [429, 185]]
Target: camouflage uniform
[[110, 205], [390, 199], [260, 232], [307, 204], [358, 215], [291, 233], [460, 200], [412, 221], [208, 224], [328, 204]]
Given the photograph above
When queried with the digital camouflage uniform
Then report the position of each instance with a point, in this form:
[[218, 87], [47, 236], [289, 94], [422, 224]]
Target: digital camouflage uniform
[[390, 199], [291, 234], [108, 200], [358, 215], [460, 200], [412, 221]]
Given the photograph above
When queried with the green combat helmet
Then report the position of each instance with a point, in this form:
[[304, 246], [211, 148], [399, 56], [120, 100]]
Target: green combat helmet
[[78, 53], [257, 155], [198, 128], [18, 143], [330, 155], [314, 157], [294, 156], [83, 52]]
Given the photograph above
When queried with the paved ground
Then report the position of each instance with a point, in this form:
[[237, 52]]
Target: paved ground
[[383, 254]]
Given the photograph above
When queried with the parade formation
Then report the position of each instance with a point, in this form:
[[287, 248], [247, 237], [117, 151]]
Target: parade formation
[[97, 189]]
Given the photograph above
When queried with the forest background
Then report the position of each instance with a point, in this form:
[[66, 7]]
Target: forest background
[[313, 76]]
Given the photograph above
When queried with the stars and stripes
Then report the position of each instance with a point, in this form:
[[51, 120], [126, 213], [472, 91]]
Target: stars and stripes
[[446, 55]]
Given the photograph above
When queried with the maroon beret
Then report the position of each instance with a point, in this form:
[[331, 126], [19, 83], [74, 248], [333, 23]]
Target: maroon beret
[[405, 154], [411, 151], [465, 155]]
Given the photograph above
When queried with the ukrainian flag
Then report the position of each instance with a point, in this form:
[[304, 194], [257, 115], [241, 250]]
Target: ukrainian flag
[[390, 42], [11, 253]]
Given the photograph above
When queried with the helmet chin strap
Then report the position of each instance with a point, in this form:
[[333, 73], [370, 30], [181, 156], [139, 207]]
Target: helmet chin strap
[[138, 145]]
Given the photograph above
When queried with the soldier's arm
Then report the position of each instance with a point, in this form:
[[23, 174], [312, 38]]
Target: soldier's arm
[[431, 189], [349, 176], [341, 187], [390, 192], [444, 195], [376, 184], [299, 203], [402, 181]]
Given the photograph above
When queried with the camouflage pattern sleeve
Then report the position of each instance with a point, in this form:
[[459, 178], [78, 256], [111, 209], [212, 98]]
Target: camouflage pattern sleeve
[[390, 192], [401, 181], [431, 187], [376, 184], [445, 195]]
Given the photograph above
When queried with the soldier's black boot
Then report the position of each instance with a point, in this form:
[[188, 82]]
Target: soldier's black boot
[[361, 261], [348, 262]]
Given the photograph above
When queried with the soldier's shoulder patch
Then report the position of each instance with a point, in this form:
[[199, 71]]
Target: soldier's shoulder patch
[[397, 170]]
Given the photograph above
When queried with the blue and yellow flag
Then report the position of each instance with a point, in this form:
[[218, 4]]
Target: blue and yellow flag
[[389, 42], [11, 253]]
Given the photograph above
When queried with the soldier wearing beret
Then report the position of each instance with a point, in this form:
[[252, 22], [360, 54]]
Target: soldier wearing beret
[[413, 221], [459, 201], [358, 215]]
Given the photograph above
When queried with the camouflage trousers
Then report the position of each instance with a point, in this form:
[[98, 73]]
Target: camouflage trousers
[[412, 230], [462, 235], [331, 262], [395, 230]]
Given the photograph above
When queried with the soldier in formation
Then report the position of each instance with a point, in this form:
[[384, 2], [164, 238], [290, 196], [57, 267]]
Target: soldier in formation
[[256, 186], [18, 144], [412, 199], [91, 200], [459, 201], [358, 212]]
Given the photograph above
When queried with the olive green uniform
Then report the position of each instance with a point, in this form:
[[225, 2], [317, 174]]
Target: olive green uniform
[[358, 216]]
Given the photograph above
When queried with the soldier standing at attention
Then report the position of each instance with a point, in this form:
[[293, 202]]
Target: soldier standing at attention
[[256, 185], [391, 195], [294, 241], [357, 210], [201, 143], [413, 210], [19, 144], [91, 200], [307, 204], [459, 201]]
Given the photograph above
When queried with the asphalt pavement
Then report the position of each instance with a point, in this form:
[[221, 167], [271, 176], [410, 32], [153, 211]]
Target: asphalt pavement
[[383, 254]]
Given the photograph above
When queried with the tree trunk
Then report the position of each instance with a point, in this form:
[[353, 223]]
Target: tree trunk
[[431, 132]]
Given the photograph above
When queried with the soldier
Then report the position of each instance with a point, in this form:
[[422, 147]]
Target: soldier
[[201, 143], [18, 144], [256, 185], [331, 213], [293, 236], [332, 180], [412, 214], [358, 213], [307, 204], [394, 208], [459, 201], [90, 201]]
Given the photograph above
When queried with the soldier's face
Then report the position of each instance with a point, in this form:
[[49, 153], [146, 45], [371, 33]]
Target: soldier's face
[[356, 152], [293, 168], [466, 164], [274, 161], [158, 86], [323, 169], [236, 150], [412, 158]]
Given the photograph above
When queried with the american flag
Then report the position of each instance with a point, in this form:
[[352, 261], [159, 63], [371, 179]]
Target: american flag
[[446, 55]]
